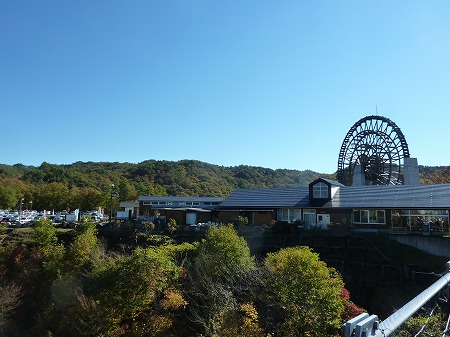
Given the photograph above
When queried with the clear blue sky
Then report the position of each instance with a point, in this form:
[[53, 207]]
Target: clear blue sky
[[276, 84]]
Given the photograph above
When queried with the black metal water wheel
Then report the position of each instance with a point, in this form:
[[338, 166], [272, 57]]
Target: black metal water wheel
[[379, 146]]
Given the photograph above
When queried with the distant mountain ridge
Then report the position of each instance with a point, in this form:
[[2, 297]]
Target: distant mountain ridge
[[184, 177]]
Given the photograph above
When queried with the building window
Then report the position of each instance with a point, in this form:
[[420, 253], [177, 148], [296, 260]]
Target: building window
[[320, 190], [309, 216], [282, 214], [371, 216], [294, 215], [414, 219], [290, 215], [381, 217]]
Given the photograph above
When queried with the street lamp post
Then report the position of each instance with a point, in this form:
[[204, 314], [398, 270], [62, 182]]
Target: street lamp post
[[31, 205], [111, 204], [20, 209]]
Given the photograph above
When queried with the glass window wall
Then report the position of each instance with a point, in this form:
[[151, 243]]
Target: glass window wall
[[309, 217], [289, 214], [365, 216], [415, 219]]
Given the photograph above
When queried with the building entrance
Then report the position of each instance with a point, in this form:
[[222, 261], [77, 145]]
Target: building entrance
[[323, 220]]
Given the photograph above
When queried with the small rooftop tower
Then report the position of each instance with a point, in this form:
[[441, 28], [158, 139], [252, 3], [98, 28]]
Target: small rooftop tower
[[358, 176], [411, 172]]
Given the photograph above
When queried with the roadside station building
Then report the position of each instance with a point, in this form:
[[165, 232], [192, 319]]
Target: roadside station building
[[326, 203], [185, 210]]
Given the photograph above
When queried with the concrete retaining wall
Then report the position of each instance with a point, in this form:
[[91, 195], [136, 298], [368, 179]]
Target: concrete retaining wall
[[439, 246]]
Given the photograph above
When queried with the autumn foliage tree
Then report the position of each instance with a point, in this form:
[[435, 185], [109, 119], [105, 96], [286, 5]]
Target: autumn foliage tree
[[304, 292], [438, 176], [10, 299], [350, 309], [217, 277], [242, 321], [224, 254], [75, 286], [84, 247]]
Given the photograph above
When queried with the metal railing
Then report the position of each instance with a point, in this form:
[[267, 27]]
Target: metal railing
[[369, 326]]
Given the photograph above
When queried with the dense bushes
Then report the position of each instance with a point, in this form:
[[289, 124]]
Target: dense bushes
[[210, 288]]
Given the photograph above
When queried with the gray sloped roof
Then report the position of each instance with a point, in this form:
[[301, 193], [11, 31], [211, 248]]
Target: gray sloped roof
[[331, 182], [392, 196], [178, 198], [129, 204], [265, 198], [380, 197]]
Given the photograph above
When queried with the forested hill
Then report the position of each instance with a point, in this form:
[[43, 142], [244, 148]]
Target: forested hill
[[75, 183], [152, 177]]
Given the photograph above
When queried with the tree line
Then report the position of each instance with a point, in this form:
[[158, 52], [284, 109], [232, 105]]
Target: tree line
[[73, 283], [77, 286], [88, 185]]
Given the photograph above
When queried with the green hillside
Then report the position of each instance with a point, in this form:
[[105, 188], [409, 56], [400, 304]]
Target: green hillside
[[87, 185]]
